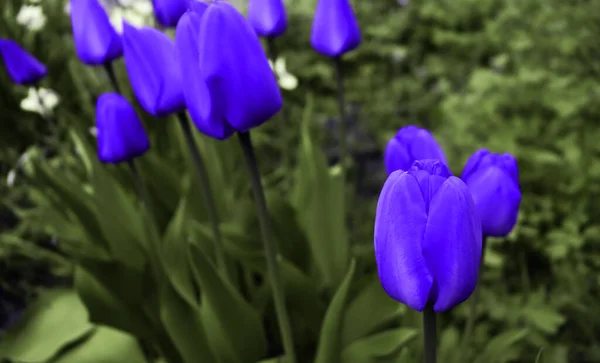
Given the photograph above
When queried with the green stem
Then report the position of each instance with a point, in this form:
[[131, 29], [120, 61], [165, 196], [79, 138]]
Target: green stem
[[141, 189], [110, 71], [342, 111], [474, 301], [269, 246], [430, 339], [213, 214]]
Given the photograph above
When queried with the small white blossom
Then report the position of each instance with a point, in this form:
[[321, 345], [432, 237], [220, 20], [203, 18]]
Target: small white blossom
[[285, 79], [135, 12], [41, 101], [93, 131], [10, 178], [32, 17]]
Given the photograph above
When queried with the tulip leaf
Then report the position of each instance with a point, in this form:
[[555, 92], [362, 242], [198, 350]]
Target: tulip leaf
[[106, 307], [55, 319], [318, 197], [447, 348], [183, 325], [236, 331], [374, 347], [361, 319], [329, 346], [82, 150], [496, 349], [123, 348]]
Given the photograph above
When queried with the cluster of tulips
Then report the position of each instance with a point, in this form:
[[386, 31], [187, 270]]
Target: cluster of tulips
[[430, 226]]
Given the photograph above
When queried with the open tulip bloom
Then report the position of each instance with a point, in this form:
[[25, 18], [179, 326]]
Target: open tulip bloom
[[409, 144], [427, 237], [229, 83], [493, 180], [22, 67]]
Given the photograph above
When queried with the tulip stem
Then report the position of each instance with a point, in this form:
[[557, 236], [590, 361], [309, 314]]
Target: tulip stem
[[213, 214], [474, 301], [342, 110], [269, 246], [110, 71], [430, 336]]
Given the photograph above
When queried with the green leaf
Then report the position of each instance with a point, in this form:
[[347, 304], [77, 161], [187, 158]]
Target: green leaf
[[329, 346], [495, 351], [106, 345], [372, 348], [318, 197], [361, 319], [55, 319], [544, 318], [236, 331]]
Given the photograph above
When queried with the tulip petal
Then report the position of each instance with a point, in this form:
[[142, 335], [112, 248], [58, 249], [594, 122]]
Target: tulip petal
[[396, 156], [399, 228], [22, 67], [153, 70], [96, 41], [473, 163], [335, 29], [235, 68], [497, 198], [206, 112], [168, 12], [452, 244], [268, 17]]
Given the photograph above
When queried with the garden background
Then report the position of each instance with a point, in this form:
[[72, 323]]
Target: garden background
[[509, 75]]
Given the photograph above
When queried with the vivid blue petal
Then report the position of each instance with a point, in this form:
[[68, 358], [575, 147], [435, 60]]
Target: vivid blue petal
[[268, 17], [399, 228], [473, 163], [96, 41], [168, 12], [235, 68], [153, 70], [335, 29], [430, 174], [452, 244], [22, 67], [497, 198], [121, 135], [206, 113], [409, 144]]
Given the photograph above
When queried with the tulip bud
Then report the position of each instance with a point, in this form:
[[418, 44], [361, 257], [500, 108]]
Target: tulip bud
[[226, 90], [335, 30], [411, 143], [168, 12], [268, 17], [153, 70], [493, 180], [21, 66], [427, 237], [96, 41], [120, 133]]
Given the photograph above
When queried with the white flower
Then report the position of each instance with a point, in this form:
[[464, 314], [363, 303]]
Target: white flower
[[285, 79], [93, 131], [10, 178], [40, 100], [135, 12], [32, 17]]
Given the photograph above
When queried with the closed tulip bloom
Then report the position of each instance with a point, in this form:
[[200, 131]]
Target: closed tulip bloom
[[153, 70], [22, 67], [409, 144], [226, 90], [168, 12], [120, 133], [96, 41], [335, 29], [268, 17], [427, 237], [493, 180]]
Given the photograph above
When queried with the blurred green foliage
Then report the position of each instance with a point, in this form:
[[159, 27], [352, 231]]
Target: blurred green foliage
[[512, 76]]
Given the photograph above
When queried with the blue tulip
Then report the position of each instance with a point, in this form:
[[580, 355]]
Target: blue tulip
[[411, 143], [96, 41], [168, 12], [229, 83], [427, 237], [493, 180], [121, 135], [153, 70], [22, 67], [268, 17], [335, 29]]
